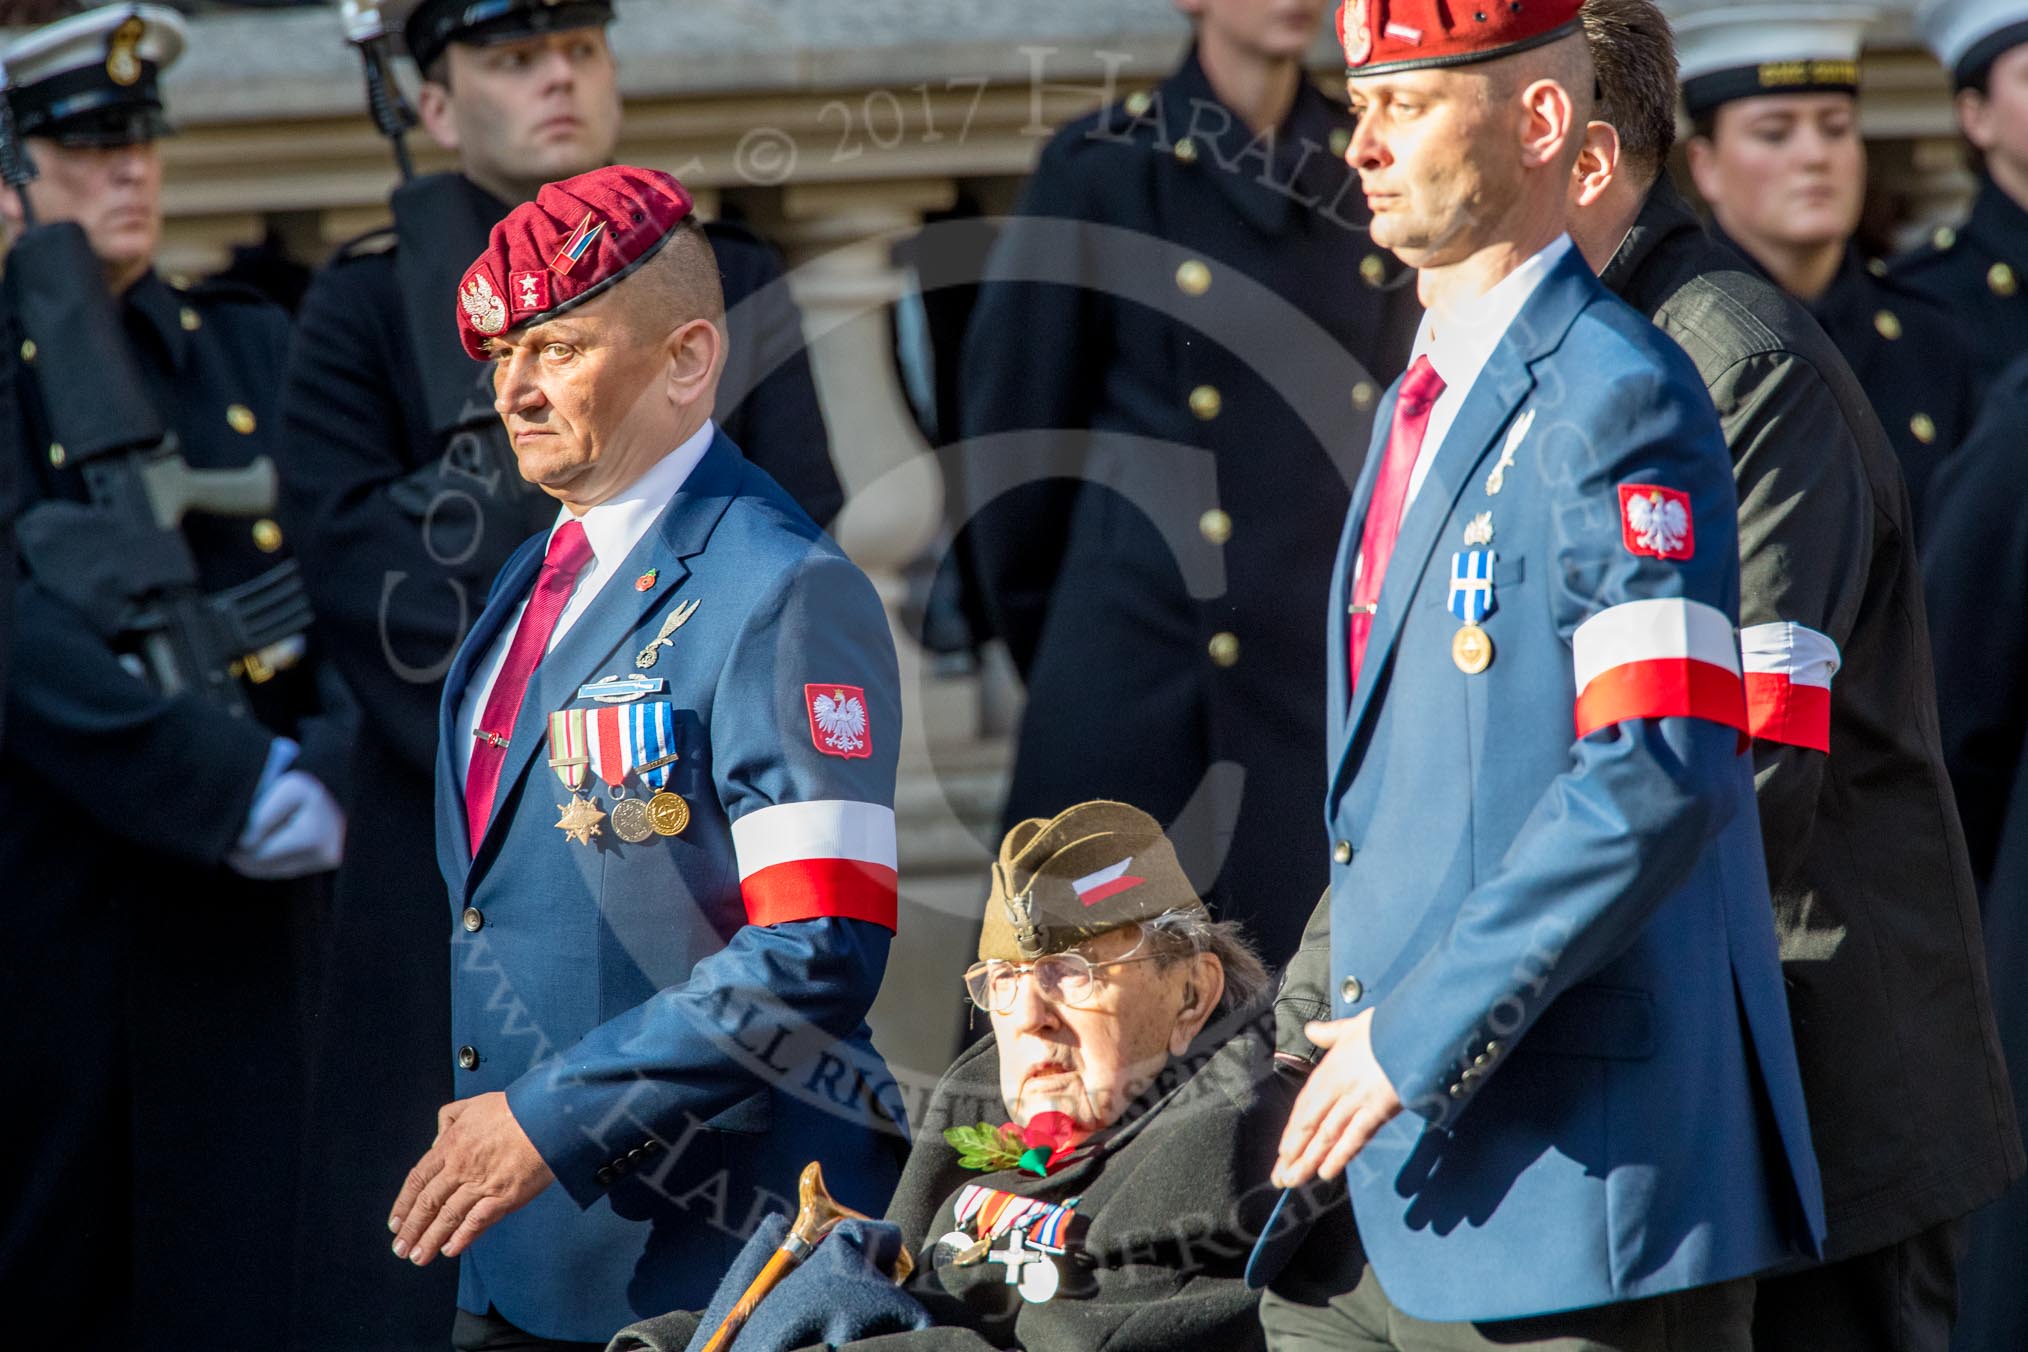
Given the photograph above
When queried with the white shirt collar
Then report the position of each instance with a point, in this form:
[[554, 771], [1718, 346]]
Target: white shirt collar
[[1474, 327], [616, 525]]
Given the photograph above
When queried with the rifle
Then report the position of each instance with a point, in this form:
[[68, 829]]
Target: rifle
[[122, 561], [392, 116]]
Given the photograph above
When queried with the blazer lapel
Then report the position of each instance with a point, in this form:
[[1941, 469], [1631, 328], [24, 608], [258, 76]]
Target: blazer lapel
[[1337, 651], [517, 580], [616, 615], [1503, 384]]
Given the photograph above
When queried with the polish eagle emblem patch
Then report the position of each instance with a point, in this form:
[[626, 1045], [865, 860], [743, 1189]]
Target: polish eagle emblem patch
[[1354, 33], [483, 307], [1655, 522], [838, 721]]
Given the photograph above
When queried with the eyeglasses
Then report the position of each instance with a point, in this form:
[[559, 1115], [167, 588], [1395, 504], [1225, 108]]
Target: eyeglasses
[[1068, 979]]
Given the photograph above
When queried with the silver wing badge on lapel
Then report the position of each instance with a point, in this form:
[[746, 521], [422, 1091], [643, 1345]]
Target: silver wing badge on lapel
[[1498, 478], [677, 619]]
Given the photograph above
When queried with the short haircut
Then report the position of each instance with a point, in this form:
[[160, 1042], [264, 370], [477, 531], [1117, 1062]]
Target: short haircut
[[1568, 62], [1634, 54], [678, 283]]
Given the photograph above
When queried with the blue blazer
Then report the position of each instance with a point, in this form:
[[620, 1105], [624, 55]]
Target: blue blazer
[[1551, 895], [677, 1039]]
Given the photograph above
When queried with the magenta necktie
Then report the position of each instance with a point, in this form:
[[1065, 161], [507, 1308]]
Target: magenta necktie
[[1420, 389], [569, 551]]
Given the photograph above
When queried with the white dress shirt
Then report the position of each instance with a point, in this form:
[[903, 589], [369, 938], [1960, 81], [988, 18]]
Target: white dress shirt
[[612, 529], [1460, 342]]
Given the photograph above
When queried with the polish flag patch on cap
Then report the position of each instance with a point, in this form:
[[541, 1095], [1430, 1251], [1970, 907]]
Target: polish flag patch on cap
[[1655, 522], [1094, 888], [839, 724]]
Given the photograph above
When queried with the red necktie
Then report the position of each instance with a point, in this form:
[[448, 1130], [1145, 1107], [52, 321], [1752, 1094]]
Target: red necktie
[[1420, 389], [569, 551]]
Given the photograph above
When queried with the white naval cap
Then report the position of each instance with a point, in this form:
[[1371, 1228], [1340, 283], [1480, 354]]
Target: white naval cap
[[1728, 52], [1967, 35], [91, 79]]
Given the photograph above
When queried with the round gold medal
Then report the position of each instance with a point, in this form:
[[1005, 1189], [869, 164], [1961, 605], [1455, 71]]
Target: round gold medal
[[630, 821], [1472, 649], [668, 814]]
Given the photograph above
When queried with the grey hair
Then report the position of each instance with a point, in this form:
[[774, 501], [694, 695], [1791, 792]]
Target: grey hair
[[1186, 933]]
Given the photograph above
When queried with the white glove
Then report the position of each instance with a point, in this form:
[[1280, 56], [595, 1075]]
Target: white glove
[[295, 827]]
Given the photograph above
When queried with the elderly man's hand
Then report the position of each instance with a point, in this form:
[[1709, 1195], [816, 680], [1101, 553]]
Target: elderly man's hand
[[1344, 1104], [481, 1167]]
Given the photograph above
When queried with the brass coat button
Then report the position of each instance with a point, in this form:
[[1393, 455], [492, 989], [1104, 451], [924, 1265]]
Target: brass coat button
[[267, 536], [1352, 989], [1373, 269], [1363, 395], [1139, 102], [1215, 526], [475, 920], [1494, 1048], [28, 349], [1224, 649], [468, 1057], [188, 318], [1924, 428], [1186, 151], [240, 418], [1193, 278], [1877, 266], [1341, 141], [56, 454], [1205, 402], [1457, 1091], [1341, 853], [2001, 279], [1943, 237], [1887, 324]]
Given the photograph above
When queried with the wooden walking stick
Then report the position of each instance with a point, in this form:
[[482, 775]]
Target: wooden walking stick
[[816, 1215]]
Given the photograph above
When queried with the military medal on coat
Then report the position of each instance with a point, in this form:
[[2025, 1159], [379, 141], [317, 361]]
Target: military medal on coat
[[1036, 1234], [616, 742], [1471, 601]]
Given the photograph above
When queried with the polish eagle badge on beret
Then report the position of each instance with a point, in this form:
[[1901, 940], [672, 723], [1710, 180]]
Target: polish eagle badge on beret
[[1353, 32], [483, 307]]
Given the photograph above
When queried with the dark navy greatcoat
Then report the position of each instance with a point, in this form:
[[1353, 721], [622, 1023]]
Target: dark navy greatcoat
[[148, 1152], [1182, 334], [1977, 270]]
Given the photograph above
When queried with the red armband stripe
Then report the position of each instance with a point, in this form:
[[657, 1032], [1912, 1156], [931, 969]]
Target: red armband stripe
[[1789, 668], [1665, 657], [811, 889]]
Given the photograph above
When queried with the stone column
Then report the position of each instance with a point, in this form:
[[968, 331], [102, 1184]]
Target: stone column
[[839, 240]]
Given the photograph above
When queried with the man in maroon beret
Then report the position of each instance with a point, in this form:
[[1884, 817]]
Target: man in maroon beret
[[1558, 1080], [665, 786]]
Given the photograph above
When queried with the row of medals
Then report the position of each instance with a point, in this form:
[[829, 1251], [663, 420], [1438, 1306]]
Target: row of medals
[[663, 813]]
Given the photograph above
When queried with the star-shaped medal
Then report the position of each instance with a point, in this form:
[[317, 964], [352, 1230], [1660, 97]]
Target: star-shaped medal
[[579, 820]]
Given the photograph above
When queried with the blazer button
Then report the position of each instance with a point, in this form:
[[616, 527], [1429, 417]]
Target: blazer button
[[1924, 428], [1373, 270], [1206, 402], [1215, 526], [267, 536], [604, 1175], [1224, 649], [1457, 1091], [1193, 278], [1341, 853], [475, 920], [634, 1156], [468, 1057], [1363, 395], [1352, 989], [1494, 1048], [1185, 151]]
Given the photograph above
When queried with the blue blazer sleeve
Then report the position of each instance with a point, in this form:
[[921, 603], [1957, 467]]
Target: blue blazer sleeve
[[759, 1013], [1616, 833]]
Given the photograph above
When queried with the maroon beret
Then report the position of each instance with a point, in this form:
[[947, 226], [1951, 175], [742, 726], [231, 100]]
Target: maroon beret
[[576, 238], [1383, 36]]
